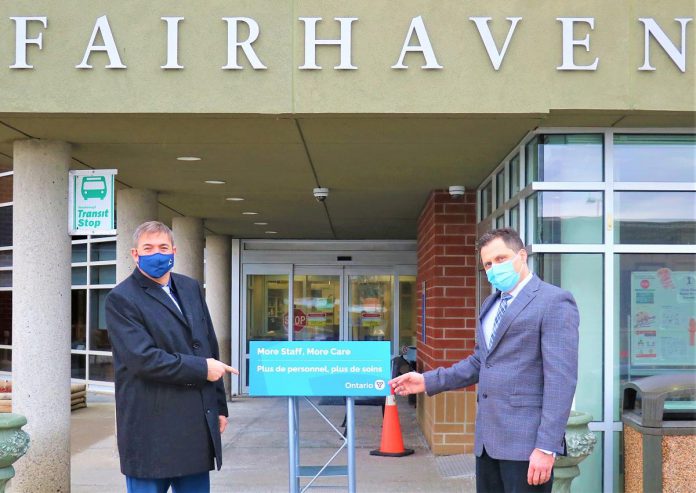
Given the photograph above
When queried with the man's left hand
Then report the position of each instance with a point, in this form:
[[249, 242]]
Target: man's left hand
[[223, 423], [540, 467]]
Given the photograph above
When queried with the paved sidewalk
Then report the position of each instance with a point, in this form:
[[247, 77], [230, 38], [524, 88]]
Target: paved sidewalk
[[255, 450]]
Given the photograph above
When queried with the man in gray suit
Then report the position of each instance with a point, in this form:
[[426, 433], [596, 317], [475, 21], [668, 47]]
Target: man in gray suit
[[525, 364]]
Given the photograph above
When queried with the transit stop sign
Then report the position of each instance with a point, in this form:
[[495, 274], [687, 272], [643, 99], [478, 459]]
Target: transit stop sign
[[91, 202]]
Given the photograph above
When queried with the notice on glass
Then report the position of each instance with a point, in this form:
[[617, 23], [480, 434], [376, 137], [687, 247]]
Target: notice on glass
[[325, 368], [663, 318]]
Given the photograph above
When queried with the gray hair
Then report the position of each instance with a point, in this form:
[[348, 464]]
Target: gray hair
[[151, 227]]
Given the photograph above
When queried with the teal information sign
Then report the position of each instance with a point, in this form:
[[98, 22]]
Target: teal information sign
[[310, 368]]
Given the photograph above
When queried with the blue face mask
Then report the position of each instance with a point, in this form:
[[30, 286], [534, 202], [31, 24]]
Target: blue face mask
[[503, 276], [157, 264]]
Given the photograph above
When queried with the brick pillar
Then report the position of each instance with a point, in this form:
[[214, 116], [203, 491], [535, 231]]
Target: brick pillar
[[447, 263]]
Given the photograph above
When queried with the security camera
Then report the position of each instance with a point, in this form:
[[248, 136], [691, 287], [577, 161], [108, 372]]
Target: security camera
[[456, 191], [320, 194]]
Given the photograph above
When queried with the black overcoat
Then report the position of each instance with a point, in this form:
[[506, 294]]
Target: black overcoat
[[166, 409]]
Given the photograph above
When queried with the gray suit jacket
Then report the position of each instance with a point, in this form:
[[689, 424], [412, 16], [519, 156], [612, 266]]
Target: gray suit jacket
[[527, 378]]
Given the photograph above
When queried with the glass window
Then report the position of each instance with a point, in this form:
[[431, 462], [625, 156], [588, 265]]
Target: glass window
[[500, 221], [317, 308], [78, 366], [79, 252], [515, 218], [370, 308], [79, 276], [5, 258], [6, 188], [500, 188], [408, 306], [655, 158], [486, 200], [655, 217], [591, 469], [5, 278], [6, 318], [582, 275], [103, 274], [654, 316], [103, 251], [514, 175], [573, 157], [267, 310], [5, 360], [531, 158], [565, 217], [6, 226], [98, 337], [78, 310], [101, 368], [484, 287]]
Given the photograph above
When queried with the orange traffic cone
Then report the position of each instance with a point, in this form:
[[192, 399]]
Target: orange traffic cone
[[392, 444]]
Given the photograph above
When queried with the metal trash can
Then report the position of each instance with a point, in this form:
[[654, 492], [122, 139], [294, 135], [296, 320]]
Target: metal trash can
[[659, 416]]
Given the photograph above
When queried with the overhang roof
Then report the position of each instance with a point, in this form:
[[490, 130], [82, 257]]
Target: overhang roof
[[379, 168]]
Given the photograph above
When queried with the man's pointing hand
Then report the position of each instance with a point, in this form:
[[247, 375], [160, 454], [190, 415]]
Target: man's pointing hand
[[216, 370]]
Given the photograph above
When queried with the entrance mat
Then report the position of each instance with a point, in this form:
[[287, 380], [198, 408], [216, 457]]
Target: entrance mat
[[456, 466]]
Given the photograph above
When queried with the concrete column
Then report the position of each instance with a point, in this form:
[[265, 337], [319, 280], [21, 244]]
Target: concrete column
[[133, 207], [189, 240], [218, 293], [41, 313]]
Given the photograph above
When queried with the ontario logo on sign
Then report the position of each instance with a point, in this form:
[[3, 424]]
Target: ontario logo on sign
[[91, 202]]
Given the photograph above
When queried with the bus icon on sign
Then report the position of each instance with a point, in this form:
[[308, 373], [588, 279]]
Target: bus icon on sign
[[93, 187]]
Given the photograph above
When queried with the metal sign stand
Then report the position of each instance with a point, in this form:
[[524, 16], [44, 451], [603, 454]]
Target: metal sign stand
[[296, 470]]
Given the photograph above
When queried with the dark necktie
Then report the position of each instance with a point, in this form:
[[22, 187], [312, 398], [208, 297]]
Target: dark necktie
[[505, 297], [175, 295]]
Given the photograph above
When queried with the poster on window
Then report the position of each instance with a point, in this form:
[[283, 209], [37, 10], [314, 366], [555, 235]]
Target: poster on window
[[663, 318]]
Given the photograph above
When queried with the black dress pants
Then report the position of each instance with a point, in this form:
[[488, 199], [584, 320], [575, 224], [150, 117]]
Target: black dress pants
[[505, 476]]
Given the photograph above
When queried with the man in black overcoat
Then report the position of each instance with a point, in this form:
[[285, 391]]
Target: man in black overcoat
[[170, 400]]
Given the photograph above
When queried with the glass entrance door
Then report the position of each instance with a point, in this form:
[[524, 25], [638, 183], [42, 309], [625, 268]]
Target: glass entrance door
[[370, 307], [317, 304], [266, 299]]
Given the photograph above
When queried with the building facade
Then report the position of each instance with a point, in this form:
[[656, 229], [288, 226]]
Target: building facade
[[574, 124]]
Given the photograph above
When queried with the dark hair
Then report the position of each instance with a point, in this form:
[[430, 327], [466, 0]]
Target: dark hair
[[509, 236]]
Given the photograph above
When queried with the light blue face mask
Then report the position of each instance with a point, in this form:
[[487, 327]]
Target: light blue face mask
[[503, 276]]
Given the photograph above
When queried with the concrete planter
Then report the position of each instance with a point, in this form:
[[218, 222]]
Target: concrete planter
[[14, 443], [580, 442]]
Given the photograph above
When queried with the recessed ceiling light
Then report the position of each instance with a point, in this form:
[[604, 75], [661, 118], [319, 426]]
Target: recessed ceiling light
[[234, 199], [247, 213], [271, 232], [261, 224], [215, 182], [188, 158]]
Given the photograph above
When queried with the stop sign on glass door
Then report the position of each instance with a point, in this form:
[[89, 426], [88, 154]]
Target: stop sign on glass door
[[299, 322]]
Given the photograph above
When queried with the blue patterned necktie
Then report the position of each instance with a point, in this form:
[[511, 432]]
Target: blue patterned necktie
[[498, 316]]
